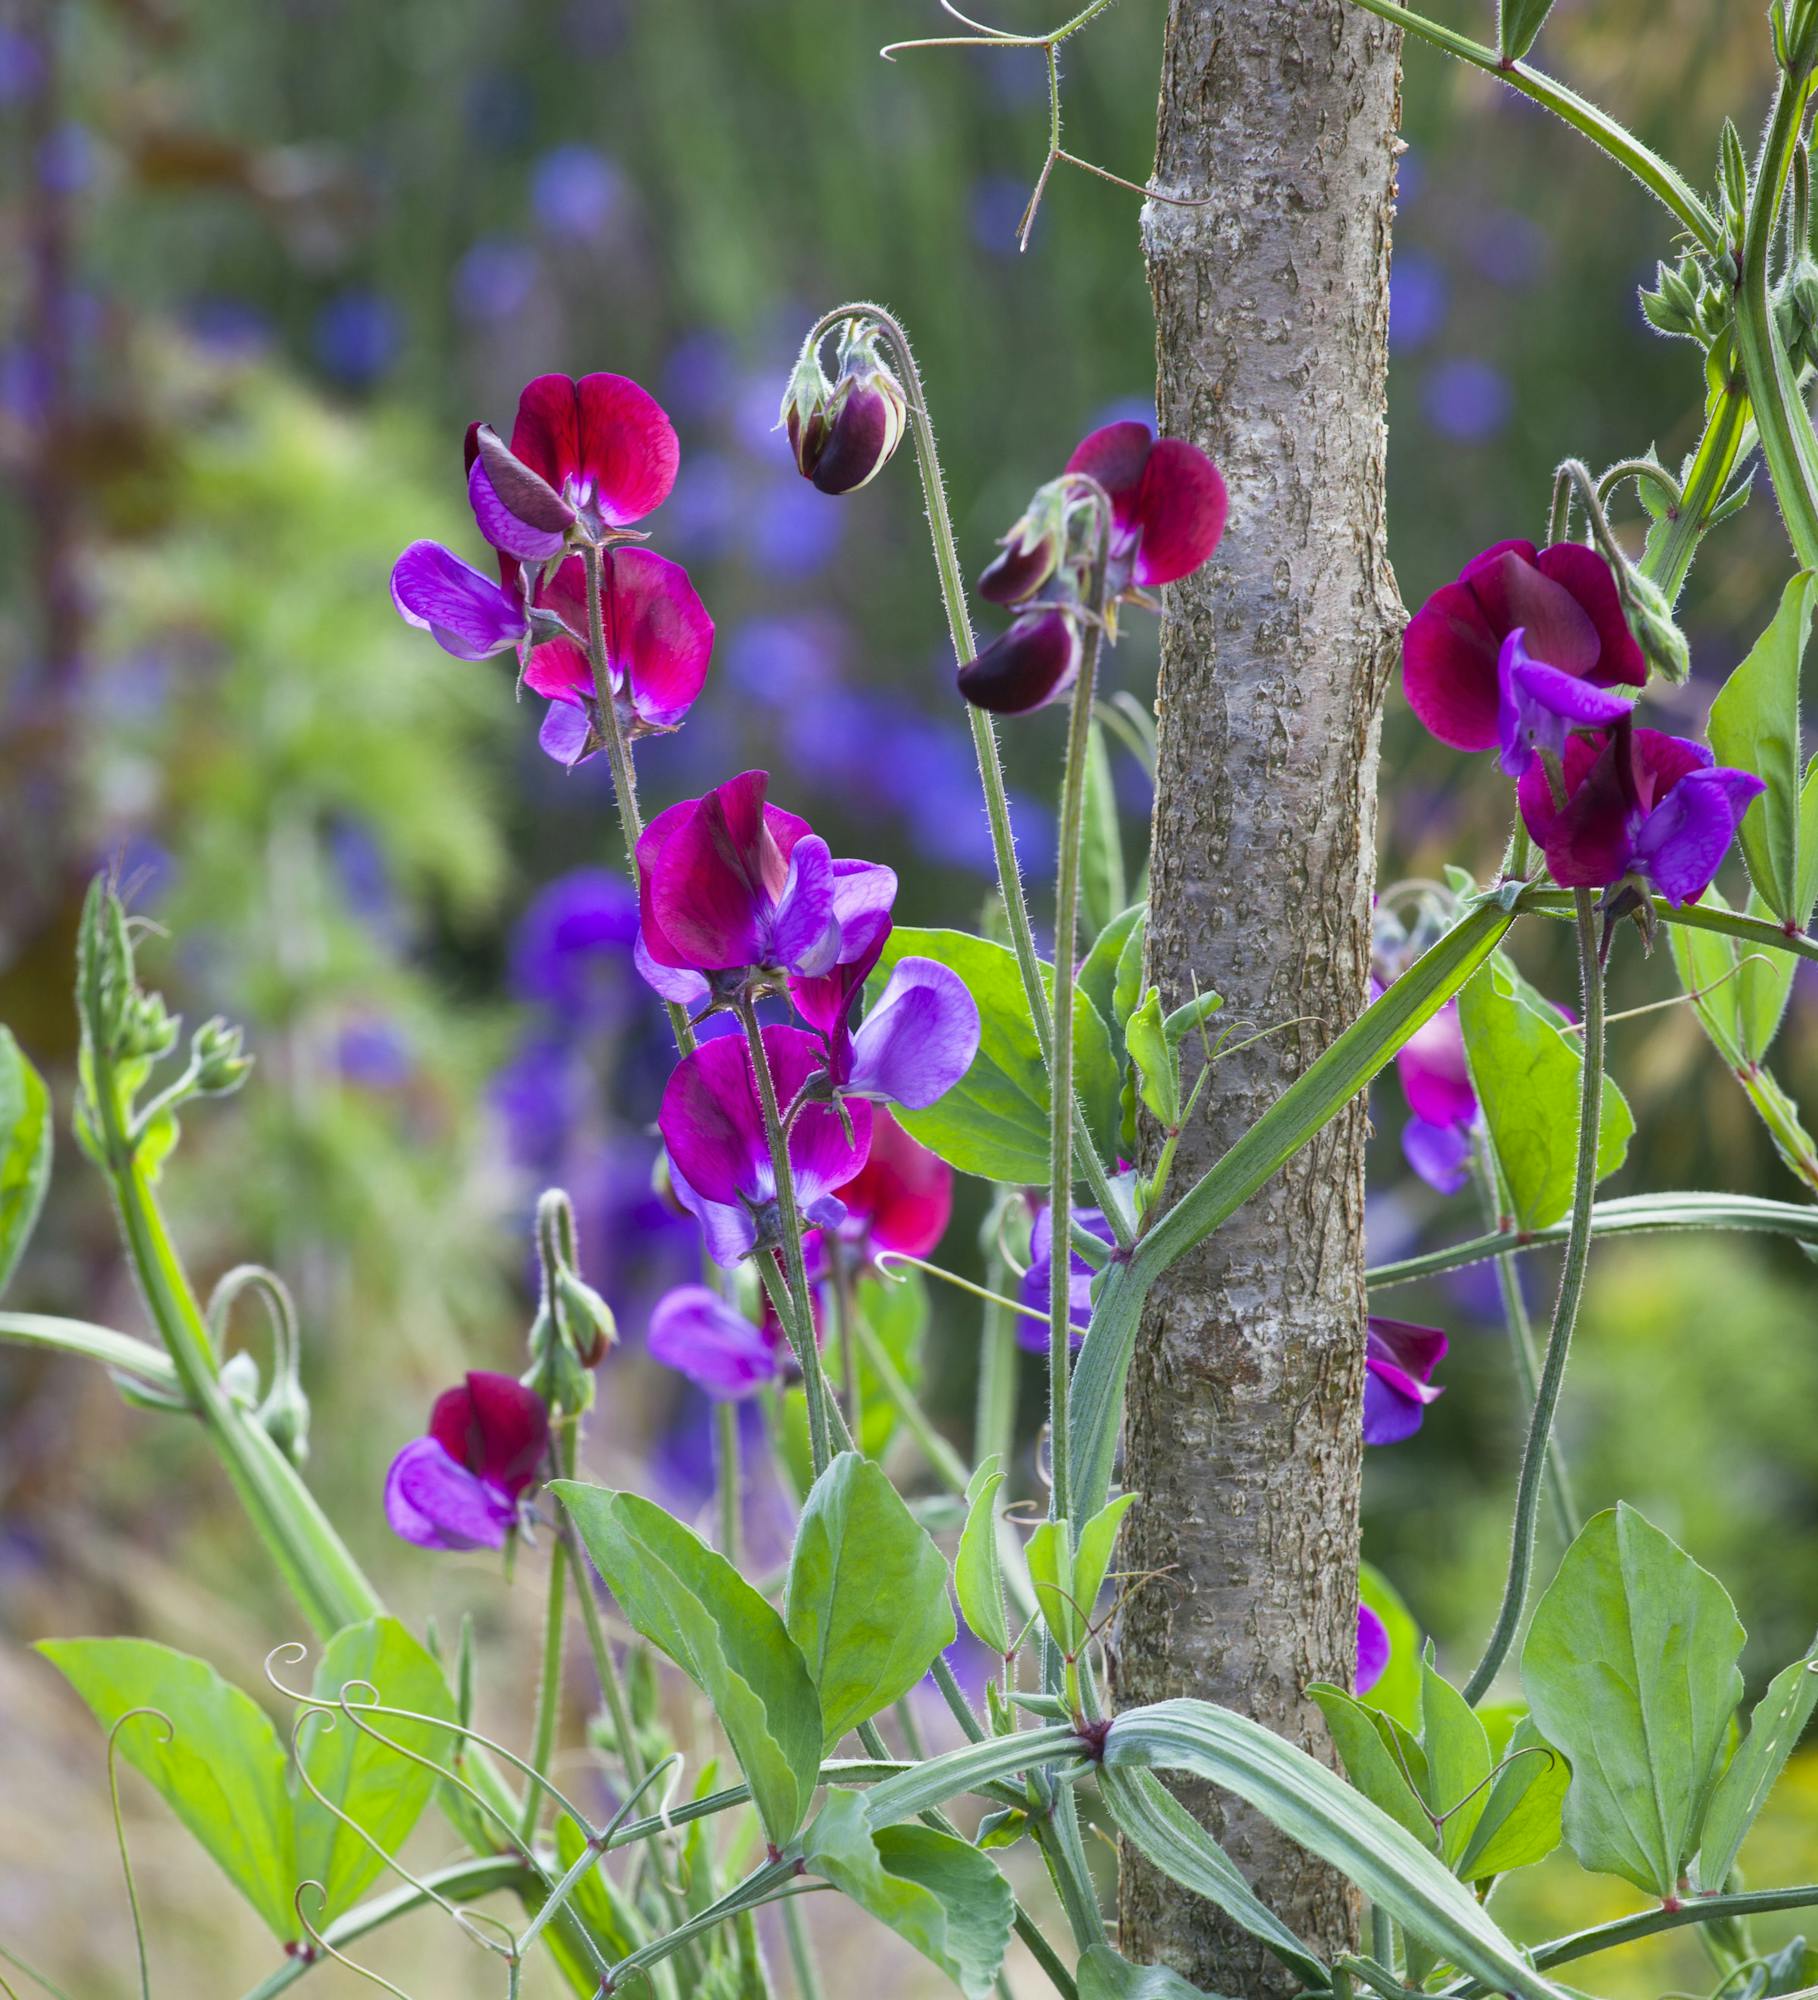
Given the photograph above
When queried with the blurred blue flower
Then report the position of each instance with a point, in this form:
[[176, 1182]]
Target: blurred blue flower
[[1510, 248], [144, 868], [232, 328], [357, 336], [574, 190], [699, 377], [533, 1095], [1125, 410], [365, 875], [66, 160], [1417, 299], [374, 1054], [21, 66], [793, 530], [1410, 177], [24, 384], [494, 279], [702, 515], [593, 27], [1467, 400], [785, 661], [571, 951], [996, 207]]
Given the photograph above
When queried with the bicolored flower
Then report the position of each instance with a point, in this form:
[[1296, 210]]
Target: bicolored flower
[[1372, 1649], [696, 1332], [712, 1121], [728, 883], [659, 640], [1436, 1081], [1538, 706], [1562, 599], [901, 1198], [465, 613], [843, 433], [1168, 503], [918, 1038], [1640, 805], [1036, 1280], [1399, 1363], [462, 1486], [594, 455]]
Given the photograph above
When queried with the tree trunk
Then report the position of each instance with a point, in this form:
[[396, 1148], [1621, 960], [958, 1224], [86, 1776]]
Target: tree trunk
[[1245, 1428]]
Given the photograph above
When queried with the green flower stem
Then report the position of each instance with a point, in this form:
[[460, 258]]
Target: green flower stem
[[1521, 1343], [1727, 434], [727, 1479], [845, 1313], [1694, 916], [1662, 180], [1565, 1312], [122, 1351], [946, 1462], [994, 1425], [801, 1953], [984, 733], [618, 752], [798, 1322], [1696, 1910], [549, 1676]]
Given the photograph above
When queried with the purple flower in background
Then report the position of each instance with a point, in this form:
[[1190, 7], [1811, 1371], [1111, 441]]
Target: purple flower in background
[[1639, 804], [1030, 1333], [375, 1054], [494, 279], [1399, 1363], [571, 950], [357, 337], [21, 66], [461, 1486], [712, 1122], [574, 190], [1372, 1649], [696, 1332], [465, 613], [1468, 400], [790, 534], [1417, 298], [1436, 1081]]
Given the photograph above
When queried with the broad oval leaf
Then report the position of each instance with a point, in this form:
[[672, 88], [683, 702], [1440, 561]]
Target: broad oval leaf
[[1321, 1813], [866, 1600], [1528, 1075], [1521, 1818], [222, 1772], [1397, 1693], [25, 1152], [691, 1604], [1630, 1668], [1097, 975], [978, 1577], [1458, 1758], [380, 1789], [940, 1893], [1774, 1732], [994, 1121]]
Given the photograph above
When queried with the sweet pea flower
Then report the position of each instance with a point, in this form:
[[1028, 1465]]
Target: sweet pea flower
[[1035, 662], [1538, 705], [916, 1041], [659, 640], [1031, 1333], [1562, 599], [465, 613], [731, 885], [713, 1124], [1372, 1649], [901, 1198], [1640, 806], [462, 1486], [1436, 1081], [1168, 503], [696, 1332], [591, 456], [1399, 1363]]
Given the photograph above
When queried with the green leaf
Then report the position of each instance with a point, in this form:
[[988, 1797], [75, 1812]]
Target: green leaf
[[1630, 1666], [380, 1790], [222, 1772], [1050, 1554], [1127, 988], [691, 1604], [1397, 1693], [1458, 1758], [1517, 23], [1754, 726], [1521, 1818], [1318, 1811], [1102, 884], [1097, 975], [1003, 1828], [1774, 1732], [978, 1576], [994, 1121], [1370, 1763], [1766, 983], [25, 1152], [866, 1599], [1107, 1975], [1097, 1540], [1805, 889], [1157, 1066], [942, 1895], [1527, 1076]]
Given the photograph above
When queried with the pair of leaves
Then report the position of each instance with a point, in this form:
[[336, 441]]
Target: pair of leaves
[[865, 1613], [1631, 1667], [25, 1152], [994, 1121], [222, 1769], [940, 1893], [1484, 1799], [1067, 1580], [1754, 726], [1528, 1075]]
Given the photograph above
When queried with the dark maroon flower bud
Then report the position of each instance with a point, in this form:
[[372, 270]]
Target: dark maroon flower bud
[[1034, 663], [1031, 550], [804, 411], [843, 432]]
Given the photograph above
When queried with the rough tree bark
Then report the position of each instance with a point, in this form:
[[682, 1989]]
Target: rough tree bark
[[1244, 1432]]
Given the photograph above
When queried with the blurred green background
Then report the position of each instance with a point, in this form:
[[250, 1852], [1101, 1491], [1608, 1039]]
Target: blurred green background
[[263, 265]]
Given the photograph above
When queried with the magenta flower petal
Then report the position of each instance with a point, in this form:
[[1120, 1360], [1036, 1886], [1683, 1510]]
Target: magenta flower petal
[[437, 1504], [603, 442], [465, 613], [1516, 594], [1399, 1359], [566, 735], [696, 1332], [559, 668], [919, 1038], [1588, 842], [902, 1197], [502, 528], [494, 1426], [822, 1157], [1682, 842], [1182, 506], [715, 874], [1592, 584], [1439, 1154], [1115, 455], [659, 638], [1032, 664], [1435, 1078], [1448, 669], [1372, 1649]]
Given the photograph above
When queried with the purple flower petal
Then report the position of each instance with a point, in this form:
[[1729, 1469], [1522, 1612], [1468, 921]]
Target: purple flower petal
[[566, 735], [674, 983], [1682, 842], [727, 1228], [1399, 1358], [864, 893], [1032, 664], [1372, 1649], [465, 613], [501, 527], [1435, 1078], [437, 1504], [1439, 1154], [919, 1039], [801, 931], [695, 1331], [1540, 705]]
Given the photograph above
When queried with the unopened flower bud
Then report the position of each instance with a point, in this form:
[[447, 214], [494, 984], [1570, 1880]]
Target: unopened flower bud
[[844, 439], [148, 1028], [216, 1051], [1031, 550], [1651, 620], [804, 411], [587, 1317]]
